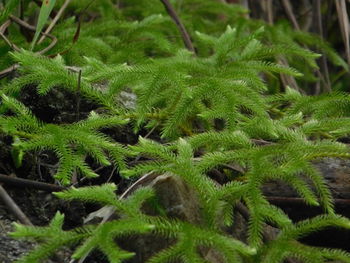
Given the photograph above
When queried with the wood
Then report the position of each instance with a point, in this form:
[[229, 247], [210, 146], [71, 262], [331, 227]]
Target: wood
[[13, 207], [25, 183], [185, 36]]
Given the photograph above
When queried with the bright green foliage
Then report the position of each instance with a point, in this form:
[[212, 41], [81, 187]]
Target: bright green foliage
[[287, 161], [190, 238], [71, 143], [52, 235], [132, 221], [287, 236], [100, 237], [47, 74], [213, 109]]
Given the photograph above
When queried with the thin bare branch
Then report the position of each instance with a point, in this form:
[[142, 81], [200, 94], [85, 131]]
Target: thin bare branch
[[25, 183], [344, 25], [30, 27], [14, 67], [286, 79], [279, 200], [13, 207], [8, 70], [290, 81], [324, 75], [289, 10], [3, 28], [267, 8], [78, 96], [8, 42], [185, 36]]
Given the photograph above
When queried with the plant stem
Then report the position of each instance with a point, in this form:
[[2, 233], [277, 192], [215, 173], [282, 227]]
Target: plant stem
[[185, 36]]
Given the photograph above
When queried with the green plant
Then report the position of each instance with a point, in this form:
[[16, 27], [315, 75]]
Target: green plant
[[71, 143], [213, 108]]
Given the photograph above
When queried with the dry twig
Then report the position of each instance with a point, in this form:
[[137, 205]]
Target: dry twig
[[25, 183], [344, 25], [185, 36], [323, 61], [13, 207], [289, 10], [24, 24]]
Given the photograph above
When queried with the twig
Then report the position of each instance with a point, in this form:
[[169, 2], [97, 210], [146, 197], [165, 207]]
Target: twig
[[300, 201], [25, 183], [267, 7], [304, 14], [261, 142], [110, 210], [185, 36], [317, 17], [289, 10], [54, 21], [318, 21], [8, 42], [286, 79], [235, 167], [3, 27], [32, 28], [14, 67], [344, 26], [25, 25], [243, 210], [111, 174], [8, 70], [78, 96], [13, 207], [151, 131]]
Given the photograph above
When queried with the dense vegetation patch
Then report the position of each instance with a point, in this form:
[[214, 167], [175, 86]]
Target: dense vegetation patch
[[211, 91]]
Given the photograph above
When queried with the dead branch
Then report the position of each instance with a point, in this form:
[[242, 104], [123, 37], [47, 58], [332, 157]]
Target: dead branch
[[13, 207], [185, 36]]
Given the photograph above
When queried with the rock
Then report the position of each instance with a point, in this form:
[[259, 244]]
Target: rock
[[337, 174], [128, 100], [335, 171], [11, 249], [178, 201]]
